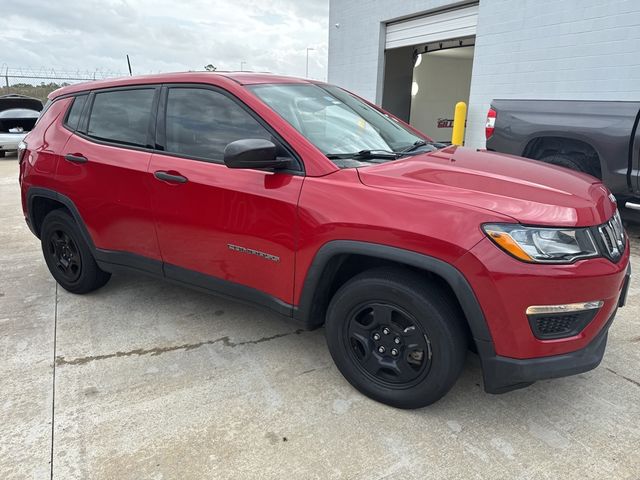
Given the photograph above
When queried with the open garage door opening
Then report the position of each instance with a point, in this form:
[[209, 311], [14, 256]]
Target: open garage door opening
[[428, 67], [441, 78]]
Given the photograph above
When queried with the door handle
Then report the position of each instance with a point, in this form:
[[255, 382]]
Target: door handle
[[76, 158], [168, 177]]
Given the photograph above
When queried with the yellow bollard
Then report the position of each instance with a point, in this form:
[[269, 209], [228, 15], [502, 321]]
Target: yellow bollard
[[459, 119]]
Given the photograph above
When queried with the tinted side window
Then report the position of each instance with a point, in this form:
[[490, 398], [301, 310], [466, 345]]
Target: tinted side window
[[200, 123], [121, 116], [76, 110]]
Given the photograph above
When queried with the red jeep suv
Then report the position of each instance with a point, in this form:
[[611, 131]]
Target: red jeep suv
[[303, 198]]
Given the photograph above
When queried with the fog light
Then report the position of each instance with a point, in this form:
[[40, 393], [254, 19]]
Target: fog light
[[561, 321]]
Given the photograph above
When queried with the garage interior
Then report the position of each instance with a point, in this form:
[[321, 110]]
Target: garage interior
[[428, 67]]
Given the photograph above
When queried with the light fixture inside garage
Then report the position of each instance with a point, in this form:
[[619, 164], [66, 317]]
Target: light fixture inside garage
[[418, 60], [444, 45], [414, 89]]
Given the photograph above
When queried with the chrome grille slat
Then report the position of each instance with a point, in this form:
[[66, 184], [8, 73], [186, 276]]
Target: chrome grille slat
[[613, 237], [604, 233], [618, 229]]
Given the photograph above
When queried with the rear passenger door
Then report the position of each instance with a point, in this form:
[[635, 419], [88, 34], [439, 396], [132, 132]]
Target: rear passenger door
[[104, 171], [226, 229]]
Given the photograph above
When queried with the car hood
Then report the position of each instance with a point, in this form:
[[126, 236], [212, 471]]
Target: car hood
[[528, 191]]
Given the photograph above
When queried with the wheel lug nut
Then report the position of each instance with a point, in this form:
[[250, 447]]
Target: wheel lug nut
[[381, 349], [386, 331], [376, 336], [394, 352], [396, 340]]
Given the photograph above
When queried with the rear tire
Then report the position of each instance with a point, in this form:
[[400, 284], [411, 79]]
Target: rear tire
[[3, 154], [68, 256], [566, 161], [397, 337]]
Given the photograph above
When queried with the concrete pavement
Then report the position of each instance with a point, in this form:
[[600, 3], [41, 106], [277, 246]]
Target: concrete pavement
[[155, 381]]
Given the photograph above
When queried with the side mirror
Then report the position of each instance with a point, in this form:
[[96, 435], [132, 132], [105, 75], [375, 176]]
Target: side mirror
[[253, 153]]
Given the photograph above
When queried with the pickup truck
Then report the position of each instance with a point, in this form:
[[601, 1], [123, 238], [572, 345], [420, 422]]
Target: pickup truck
[[600, 138]]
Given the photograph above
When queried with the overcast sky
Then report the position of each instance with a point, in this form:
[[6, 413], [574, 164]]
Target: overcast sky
[[163, 35]]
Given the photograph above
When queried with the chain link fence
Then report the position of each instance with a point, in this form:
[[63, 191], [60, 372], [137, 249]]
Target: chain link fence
[[39, 83]]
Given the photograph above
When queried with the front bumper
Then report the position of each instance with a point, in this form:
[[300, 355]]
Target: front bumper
[[506, 287], [503, 374]]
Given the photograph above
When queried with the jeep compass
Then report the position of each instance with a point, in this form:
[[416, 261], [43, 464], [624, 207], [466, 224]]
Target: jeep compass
[[302, 198]]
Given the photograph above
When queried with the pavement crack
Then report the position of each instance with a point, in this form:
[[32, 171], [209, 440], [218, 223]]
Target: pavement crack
[[323, 367], [631, 380], [226, 341]]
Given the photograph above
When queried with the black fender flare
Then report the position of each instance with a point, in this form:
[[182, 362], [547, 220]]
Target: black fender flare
[[304, 311], [39, 192]]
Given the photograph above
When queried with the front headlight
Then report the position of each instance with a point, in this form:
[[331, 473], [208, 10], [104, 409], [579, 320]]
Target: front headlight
[[542, 245]]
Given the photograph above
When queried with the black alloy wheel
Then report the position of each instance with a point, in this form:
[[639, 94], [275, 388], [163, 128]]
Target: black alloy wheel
[[388, 344], [66, 255], [397, 335]]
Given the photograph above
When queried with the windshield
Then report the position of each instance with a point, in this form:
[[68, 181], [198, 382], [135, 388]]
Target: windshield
[[336, 122]]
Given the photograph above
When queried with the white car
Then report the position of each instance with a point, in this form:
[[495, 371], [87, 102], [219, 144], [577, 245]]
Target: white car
[[18, 115]]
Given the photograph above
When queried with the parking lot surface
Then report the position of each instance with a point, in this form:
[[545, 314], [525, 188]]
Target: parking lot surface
[[144, 379]]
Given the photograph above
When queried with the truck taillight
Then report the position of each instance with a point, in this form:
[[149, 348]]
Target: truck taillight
[[491, 123], [22, 148]]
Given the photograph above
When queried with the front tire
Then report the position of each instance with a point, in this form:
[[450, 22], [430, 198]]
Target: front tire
[[397, 337], [68, 256]]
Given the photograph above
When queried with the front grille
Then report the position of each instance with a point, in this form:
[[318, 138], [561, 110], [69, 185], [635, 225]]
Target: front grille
[[612, 237], [560, 325], [556, 325]]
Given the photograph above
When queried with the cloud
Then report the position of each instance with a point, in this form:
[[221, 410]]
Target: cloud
[[163, 35]]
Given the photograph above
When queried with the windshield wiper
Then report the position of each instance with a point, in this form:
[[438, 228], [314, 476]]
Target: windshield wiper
[[382, 154], [414, 146], [419, 144], [364, 155]]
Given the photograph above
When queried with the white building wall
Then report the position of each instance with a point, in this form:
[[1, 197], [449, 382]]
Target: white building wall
[[570, 49], [356, 48]]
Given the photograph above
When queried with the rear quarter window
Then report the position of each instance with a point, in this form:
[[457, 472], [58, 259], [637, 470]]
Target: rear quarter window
[[122, 116], [73, 117]]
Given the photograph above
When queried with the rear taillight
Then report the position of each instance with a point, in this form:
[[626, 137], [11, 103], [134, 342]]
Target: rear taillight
[[491, 123], [22, 148]]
